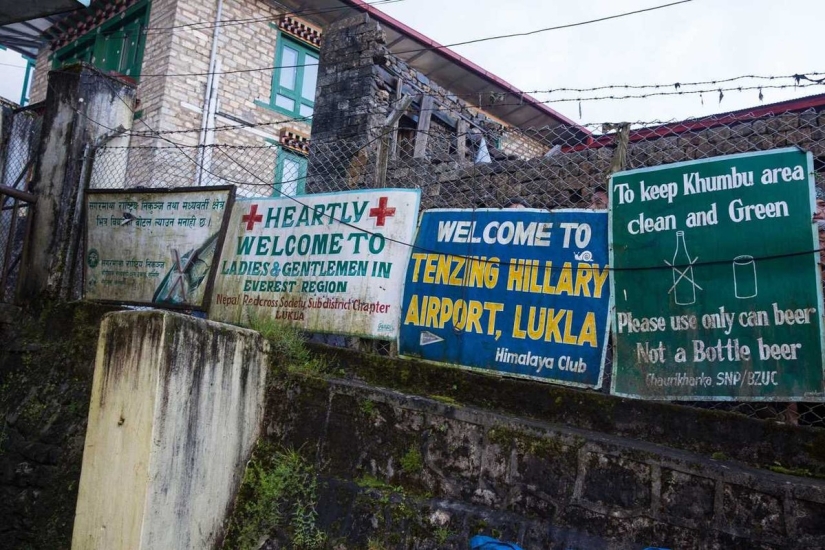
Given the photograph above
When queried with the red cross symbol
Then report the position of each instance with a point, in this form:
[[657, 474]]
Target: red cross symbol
[[382, 212], [252, 218]]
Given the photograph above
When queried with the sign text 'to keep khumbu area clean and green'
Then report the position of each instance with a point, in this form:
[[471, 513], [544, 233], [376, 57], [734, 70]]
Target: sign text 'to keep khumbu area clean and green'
[[716, 285]]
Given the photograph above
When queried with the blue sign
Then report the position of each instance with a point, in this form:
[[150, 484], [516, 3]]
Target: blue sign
[[519, 291]]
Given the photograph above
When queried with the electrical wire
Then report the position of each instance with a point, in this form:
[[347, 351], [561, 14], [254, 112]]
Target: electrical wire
[[430, 48]]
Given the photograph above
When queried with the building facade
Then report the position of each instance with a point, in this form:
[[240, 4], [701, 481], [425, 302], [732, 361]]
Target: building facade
[[281, 75]]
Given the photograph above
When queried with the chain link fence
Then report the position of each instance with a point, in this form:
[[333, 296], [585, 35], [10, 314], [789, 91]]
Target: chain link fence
[[18, 146], [462, 165]]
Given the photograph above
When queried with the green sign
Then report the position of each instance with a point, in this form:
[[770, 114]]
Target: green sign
[[716, 284]]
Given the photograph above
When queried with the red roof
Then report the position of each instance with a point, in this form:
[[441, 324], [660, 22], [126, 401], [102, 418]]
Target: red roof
[[814, 102]]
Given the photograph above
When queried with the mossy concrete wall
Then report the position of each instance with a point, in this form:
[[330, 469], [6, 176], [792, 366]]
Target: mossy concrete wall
[[176, 408], [400, 471]]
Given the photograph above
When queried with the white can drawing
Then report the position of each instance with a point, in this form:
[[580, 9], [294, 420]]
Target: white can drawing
[[744, 277]]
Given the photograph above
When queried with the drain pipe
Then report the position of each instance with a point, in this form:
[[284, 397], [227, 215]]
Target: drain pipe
[[207, 96]]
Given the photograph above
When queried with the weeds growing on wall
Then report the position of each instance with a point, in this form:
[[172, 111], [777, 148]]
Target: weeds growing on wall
[[278, 496], [288, 346]]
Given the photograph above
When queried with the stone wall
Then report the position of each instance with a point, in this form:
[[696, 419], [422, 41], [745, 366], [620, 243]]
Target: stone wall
[[400, 471], [46, 365], [357, 89], [568, 178]]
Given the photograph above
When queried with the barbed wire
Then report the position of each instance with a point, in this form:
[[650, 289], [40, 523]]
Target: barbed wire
[[225, 127], [378, 136]]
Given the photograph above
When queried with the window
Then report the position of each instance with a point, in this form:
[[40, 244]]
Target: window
[[290, 174], [116, 45], [294, 78]]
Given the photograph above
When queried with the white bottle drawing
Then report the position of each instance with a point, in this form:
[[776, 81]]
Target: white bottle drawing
[[744, 277], [684, 289]]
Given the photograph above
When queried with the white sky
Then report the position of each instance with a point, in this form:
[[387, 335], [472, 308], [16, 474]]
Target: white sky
[[696, 41], [12, 73], [700, 40]]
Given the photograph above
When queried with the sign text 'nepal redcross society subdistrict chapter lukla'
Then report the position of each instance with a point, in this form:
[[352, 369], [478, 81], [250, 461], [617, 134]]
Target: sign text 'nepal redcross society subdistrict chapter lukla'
[[331, 263], [711, 269]]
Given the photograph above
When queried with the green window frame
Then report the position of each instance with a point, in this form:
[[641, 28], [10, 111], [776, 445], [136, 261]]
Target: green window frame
[[117, 45], [290, 174], [294, 78]]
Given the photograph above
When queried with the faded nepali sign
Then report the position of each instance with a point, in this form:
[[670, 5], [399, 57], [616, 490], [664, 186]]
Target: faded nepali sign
[[716, 286], [521, 292], [331, 262], [155, 247]]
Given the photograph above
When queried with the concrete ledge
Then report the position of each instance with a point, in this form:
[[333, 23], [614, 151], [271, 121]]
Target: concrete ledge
[[701, 431], [175, 411]]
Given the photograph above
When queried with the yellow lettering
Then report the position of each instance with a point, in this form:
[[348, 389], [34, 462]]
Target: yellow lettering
[[565, 283], [430, 267], [599, 278], [493, 308], [412, 312], [442, 274], [417, 258], [568, 337], [433, 306], [515, 275], [536, 329], [446, 311], [517, 332], [474, 317], [588, 332], [583, 276], [553, 332]]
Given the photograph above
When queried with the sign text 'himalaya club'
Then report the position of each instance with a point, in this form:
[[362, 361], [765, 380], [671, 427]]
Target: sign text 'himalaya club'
[[522, 292]]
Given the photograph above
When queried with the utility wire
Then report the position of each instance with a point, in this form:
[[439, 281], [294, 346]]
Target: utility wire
[[547, 29], [308, 119], [438, 47]]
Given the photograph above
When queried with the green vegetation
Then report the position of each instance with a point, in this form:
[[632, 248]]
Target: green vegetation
[[278, 493], [412, 462], [540, 446], [369, 481], [442, 534], [446, 399], [368, 408], [288, 347]]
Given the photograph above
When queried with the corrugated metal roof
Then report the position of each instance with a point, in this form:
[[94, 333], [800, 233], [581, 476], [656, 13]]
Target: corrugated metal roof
[[22, 22]]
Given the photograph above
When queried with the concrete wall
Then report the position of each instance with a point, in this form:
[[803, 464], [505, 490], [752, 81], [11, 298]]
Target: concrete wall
[[175, 410], [82, 105]]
